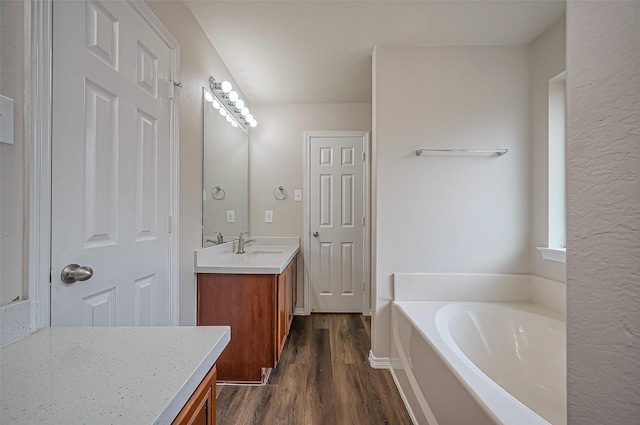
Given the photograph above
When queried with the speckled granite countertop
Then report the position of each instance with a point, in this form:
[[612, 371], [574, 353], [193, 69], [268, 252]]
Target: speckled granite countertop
[[135, 375]]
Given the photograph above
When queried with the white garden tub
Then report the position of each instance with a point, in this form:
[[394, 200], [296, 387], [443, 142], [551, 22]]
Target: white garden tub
[[474, 363]]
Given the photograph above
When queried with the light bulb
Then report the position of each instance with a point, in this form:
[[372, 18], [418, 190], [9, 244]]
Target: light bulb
[[216, 104], [249, 117], [239, 103], [234, 124], [223, 112], [208, 97], [229, 118], [253, 123], [226, 86], [244, 111], [233, 96]]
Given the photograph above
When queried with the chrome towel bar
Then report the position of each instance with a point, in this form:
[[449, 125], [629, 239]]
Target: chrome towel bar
[[497, 152]]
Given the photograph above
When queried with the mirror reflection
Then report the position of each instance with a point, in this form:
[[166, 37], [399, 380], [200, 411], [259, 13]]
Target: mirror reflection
[[225, 206]]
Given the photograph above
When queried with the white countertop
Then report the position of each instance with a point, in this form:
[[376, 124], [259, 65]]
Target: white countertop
[[265, 256], [135, 375]]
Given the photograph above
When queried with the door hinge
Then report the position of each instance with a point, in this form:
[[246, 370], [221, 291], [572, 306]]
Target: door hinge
[[363, 286], [170, 224], [364, 156], [363, 221]]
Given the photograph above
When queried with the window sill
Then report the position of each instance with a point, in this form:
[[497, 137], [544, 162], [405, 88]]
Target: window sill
[[558, 255]]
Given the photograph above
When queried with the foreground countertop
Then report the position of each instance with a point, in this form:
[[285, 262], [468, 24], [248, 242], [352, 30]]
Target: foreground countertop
[[265, 256], [126, 375]]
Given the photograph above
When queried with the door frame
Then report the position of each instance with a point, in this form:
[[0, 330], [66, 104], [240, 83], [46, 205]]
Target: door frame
[[306, 235], [40, 165]]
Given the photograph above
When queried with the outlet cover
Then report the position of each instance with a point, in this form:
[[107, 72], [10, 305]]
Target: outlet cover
[[297, 195], [268, 216], [231, 216]]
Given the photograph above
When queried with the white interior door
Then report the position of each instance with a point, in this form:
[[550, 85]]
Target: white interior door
[[336, 221], [110, 166]]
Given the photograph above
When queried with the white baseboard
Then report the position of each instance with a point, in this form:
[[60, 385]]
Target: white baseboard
[[379, 362], [15, 321], [299, 312], [403, 397]]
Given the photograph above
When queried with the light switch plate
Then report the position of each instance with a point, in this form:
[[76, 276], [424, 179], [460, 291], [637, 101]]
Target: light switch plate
[[268, 216], [297, 195], [231, 216], [6, 120]]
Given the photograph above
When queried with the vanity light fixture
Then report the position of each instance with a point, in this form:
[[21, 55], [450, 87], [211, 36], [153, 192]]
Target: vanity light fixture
[[229, 104], [225, 86]]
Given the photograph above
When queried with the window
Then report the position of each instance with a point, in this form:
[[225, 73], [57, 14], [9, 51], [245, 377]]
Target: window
[[557, 206], [556, 248]]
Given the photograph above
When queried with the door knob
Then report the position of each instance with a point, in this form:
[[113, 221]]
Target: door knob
[[316, 234], [73, 273]]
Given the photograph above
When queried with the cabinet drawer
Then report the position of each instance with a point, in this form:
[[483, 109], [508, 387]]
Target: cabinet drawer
[[200, 409]]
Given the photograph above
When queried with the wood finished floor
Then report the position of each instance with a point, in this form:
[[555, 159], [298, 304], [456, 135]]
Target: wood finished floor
[[323, 377]]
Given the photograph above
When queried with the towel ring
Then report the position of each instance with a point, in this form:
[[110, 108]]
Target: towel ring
[[280, 193], [218, 193]]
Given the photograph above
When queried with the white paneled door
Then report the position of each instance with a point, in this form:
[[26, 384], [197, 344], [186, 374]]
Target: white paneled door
[[110, 167], [336, 221]]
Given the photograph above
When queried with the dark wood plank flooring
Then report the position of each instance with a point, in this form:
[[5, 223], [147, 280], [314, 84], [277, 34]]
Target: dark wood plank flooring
[[323, 377]]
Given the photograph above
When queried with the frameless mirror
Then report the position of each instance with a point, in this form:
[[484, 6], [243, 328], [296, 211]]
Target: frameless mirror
[[225, 205]]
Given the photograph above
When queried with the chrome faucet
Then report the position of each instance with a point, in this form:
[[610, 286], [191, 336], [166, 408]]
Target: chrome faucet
[[242, 242], [219, 239]]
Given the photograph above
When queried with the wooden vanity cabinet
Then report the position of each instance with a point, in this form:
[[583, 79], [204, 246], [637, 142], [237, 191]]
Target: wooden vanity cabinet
[[200, 409], [287, 296], [259, 309]]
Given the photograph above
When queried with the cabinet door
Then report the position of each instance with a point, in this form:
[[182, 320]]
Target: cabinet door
[[248, 304], [293, 289], [283, 309], [200, 409]]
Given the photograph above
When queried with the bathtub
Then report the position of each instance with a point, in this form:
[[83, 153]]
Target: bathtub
[[476, 363]]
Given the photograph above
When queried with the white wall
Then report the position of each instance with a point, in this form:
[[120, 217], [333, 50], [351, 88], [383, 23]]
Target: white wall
[[603, 202], [547, 59], [198, 61], [13, 180], [277, 159], [448, 213]]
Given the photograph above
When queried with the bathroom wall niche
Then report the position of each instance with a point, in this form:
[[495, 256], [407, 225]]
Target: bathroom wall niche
[[225, 200]]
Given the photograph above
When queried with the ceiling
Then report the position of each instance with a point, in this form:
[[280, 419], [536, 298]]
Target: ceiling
[[319, 51]]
